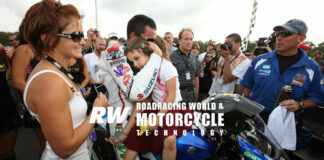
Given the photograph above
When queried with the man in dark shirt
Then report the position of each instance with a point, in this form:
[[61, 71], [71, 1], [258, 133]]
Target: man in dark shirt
[[187, 66]]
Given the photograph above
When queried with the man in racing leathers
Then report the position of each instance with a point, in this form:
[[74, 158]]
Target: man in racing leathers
[[123, 86]]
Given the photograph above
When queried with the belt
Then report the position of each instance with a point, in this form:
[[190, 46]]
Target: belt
[[186, 89]]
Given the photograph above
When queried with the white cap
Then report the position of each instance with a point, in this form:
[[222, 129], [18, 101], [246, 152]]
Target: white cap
[[112, 34]]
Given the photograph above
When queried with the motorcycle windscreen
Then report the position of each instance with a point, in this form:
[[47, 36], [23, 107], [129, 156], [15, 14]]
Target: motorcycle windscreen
[[242, 121]]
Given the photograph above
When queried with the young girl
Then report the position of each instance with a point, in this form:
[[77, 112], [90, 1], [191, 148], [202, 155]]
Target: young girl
[[166, 90]]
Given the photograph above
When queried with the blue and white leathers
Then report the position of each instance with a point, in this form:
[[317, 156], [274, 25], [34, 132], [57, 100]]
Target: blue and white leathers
[[124, 87]]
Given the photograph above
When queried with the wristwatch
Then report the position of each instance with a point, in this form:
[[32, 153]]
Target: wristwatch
[[301, 105]]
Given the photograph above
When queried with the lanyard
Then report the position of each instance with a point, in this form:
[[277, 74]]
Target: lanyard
[[187, 64], [58, 66]]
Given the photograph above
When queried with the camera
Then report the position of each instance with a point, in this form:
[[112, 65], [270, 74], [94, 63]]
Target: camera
[[226, 45], [262, 45], [95, 31], [262, 42]]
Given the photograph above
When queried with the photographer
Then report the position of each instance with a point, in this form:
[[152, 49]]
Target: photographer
[[231, 66], [91, 34], [262, 47]]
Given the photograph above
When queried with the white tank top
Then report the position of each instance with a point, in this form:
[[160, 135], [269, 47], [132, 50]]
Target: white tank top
[[78, 108]]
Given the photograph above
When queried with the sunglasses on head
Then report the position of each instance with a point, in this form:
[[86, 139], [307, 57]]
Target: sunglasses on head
[[283, 34], [75, 36]]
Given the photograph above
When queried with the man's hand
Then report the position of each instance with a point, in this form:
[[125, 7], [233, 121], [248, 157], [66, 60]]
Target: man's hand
[[225, 54], [291, 105], [101, 80]]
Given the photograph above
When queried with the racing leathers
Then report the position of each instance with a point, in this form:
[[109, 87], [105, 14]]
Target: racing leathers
[[124, 87]]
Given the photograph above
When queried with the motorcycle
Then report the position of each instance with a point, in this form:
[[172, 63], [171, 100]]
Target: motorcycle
[[243, 136]]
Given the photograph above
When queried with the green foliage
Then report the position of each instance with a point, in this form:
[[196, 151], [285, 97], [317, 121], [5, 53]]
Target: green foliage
[[175, 40], [320, 47], [203, 45], [251, 46], [121, 39]]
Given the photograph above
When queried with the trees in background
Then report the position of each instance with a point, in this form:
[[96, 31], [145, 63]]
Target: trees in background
[[203, 45]]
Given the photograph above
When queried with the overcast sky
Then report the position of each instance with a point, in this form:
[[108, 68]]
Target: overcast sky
[[209, 19]]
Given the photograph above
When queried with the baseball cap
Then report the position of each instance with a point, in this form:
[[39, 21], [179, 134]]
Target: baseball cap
[[304, 46], [210, 44], [112, 34], [293, 25]]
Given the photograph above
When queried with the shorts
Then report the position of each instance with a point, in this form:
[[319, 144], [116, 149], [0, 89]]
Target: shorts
[[9, 122], [151, 142]]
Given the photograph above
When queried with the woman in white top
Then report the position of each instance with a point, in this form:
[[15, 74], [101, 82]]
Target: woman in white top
[[55, 31]]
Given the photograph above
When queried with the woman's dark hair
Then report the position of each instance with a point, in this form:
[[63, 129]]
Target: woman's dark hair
[[138, 23], [141, 43], [50, 18], [208, 52]]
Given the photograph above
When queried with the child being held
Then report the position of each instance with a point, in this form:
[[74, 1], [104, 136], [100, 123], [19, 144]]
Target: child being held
[[166, 90]]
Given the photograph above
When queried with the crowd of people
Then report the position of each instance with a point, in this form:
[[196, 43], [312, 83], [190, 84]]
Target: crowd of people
[[52, 71]]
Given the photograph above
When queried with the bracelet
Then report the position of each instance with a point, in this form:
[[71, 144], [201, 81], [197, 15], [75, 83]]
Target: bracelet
[[83, 90]]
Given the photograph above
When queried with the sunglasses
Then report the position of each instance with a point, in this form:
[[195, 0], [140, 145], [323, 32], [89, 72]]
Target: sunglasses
[[11, 40], [209, 56], [150, 39], [75, 36], [283, 34]]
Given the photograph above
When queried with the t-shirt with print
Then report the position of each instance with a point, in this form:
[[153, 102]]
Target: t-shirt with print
[[92, 63], [167, 71]]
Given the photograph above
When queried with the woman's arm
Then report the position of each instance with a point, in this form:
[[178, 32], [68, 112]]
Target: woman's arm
[[20, 64], [85, 74], [49, 97]]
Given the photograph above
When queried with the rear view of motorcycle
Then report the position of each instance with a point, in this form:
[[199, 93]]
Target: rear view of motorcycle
[[243, 136]]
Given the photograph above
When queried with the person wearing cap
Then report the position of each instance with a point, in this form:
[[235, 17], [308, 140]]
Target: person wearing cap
[[286, 65], [305, 47], [112, 39]]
